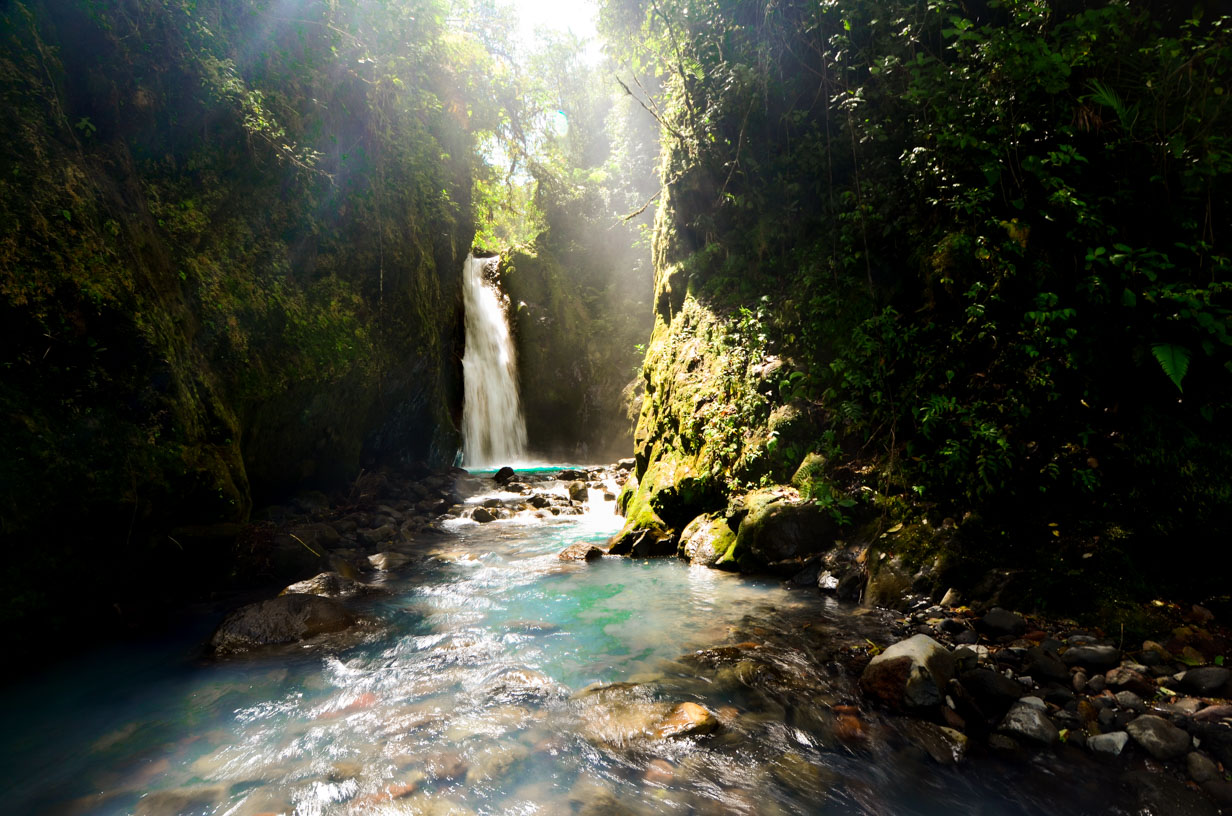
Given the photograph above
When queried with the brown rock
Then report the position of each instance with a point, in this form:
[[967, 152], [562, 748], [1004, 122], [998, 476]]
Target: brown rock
[[686, 720], [580, 552]]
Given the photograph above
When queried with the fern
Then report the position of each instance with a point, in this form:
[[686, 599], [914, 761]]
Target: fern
[[1174, 360]]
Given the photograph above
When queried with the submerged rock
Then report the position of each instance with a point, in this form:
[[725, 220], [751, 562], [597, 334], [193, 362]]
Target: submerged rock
[[285, 619], [580, 551], [686, 720], [909, 675]]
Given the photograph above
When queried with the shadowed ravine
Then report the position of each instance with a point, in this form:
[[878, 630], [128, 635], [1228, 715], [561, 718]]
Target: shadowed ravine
[[475, 691]]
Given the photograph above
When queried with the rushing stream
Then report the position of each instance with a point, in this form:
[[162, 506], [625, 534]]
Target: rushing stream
[[475, 691]]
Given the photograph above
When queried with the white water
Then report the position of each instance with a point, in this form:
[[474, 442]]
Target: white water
[[493, 429]]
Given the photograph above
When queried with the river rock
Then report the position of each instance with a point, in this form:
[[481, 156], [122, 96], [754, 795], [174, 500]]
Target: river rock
[[319, 536], [285, 619], [686, 720], [992, 691], [1043, 663], [578, 491], [1027, 719], [1206, 680], [1097, 657], [580, 551], [705, 540], [388, 561], [482, 515], [503, 475], [1000, 622], [1158, 737], [1123, 677], [909, 675], [1108, 744], [328, 585], [1201, 768], [945, 745]]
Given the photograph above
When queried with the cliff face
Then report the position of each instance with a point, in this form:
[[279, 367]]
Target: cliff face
[[229, 269], [989, 315]]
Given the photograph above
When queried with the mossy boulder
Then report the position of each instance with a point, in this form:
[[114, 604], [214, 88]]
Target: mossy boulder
[[706, 539], [779, 531]]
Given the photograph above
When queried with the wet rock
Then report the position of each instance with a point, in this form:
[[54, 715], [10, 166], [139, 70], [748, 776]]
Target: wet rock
[[328, 585], [285, 619], [909, 675], [388, 561], [1206, 680], [889, 582], [539, 501], [580, 551], [503, 475], [951, 598], [483, 515], [494, 762], [643, 543], [1215, 713], [578, 491], [569, 475], [1099, 657], [1201, 768], [1000, 622], [1028, 720], [706, 539], [686, 720], [1158, 737], [1130, 701], [1220, 790], [1108, 744], [319, 536], [805, 778], [945, 745]]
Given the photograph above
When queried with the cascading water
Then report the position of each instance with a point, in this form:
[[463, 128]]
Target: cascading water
[[493, 429]]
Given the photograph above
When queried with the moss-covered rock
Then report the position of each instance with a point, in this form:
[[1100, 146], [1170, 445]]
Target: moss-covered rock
[[779, 531], [706, 540]]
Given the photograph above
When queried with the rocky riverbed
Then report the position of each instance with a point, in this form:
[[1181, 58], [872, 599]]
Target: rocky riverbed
[[950, 682]]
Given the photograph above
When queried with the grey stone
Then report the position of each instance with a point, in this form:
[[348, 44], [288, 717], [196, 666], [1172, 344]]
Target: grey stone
[[1044, 663], [1158, 737], [1027, 720], [1131, 701], [1108, 744], [910, 674], [328, 585], [387, 561]]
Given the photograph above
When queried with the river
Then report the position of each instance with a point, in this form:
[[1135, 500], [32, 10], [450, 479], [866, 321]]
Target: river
[[498, 679]]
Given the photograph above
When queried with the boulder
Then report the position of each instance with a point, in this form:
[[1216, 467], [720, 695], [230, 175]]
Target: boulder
[[285, 619], [578, 491], [387, 561], [1028, 720], [705, 540], [503, 475], [642, 543], [1159, 738], [909, 675], [780, 529], [482, 515], [580, 551]]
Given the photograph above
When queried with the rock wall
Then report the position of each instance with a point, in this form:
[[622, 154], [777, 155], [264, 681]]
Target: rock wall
[[229, 270]]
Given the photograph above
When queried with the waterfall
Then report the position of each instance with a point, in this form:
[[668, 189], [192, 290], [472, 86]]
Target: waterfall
[[493, 429]]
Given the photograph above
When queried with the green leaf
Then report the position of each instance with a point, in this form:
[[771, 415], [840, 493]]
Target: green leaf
[[1174, 360]]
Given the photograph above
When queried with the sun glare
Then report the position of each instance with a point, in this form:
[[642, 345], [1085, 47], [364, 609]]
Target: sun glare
[[577, 16]]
